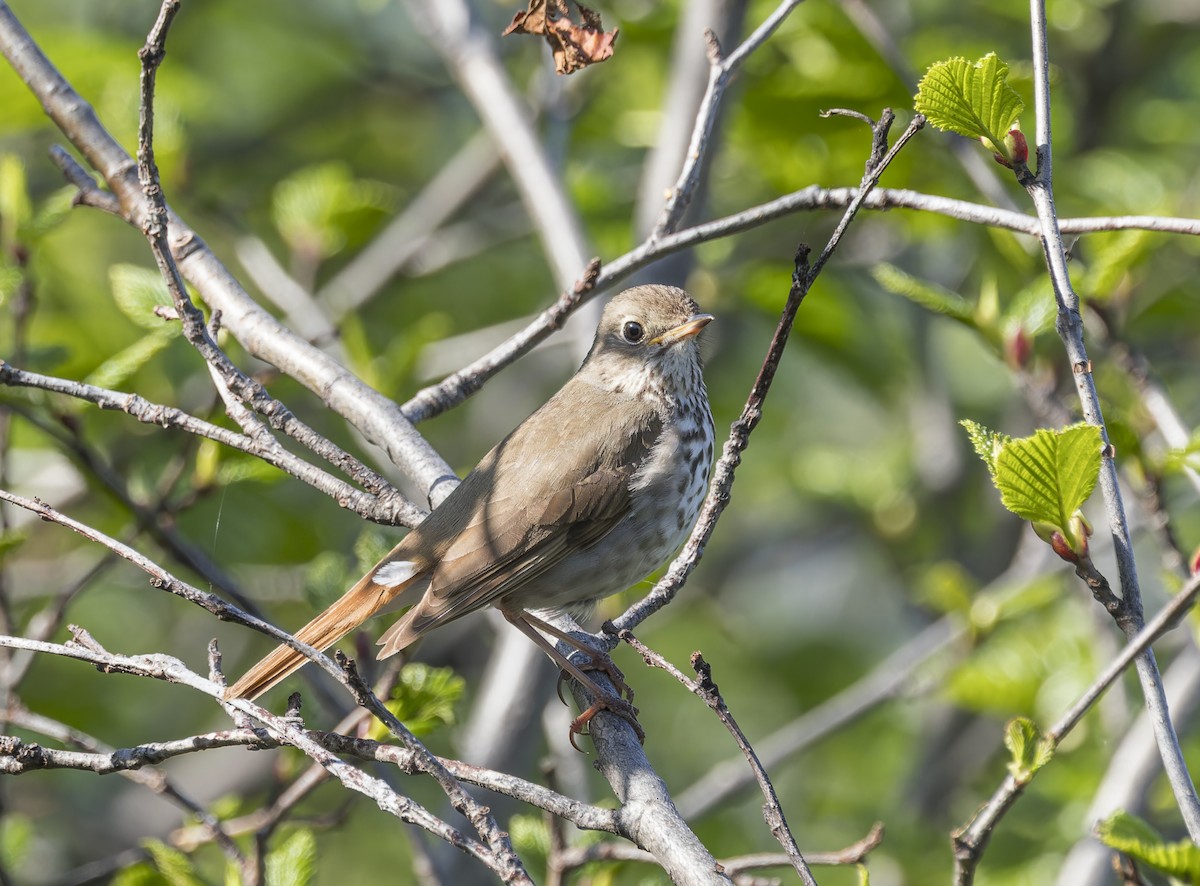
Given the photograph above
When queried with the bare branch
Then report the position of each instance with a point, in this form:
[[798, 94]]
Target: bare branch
[[1070, 330], [721, 70], [374, 415], [971, 839], [499, 858], [470, 56], [388, 507], [706, 690]]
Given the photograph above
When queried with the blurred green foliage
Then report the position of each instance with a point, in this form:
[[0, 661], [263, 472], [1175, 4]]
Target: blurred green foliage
[[859, 514]]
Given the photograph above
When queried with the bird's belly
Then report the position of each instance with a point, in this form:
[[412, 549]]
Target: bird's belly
[[670, 493]]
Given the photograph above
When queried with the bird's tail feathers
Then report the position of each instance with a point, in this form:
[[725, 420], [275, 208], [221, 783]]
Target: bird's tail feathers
[[361, 602]]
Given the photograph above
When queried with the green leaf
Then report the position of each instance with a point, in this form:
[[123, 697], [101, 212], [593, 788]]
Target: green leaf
[[141, 874], [293, 862], [9, 542], [1129, 834], [114, 371], [423, 700], [986, 442], [137, 292], [1113, 256], [1045, 478], [1030, 749], [176, 868], [972, 99], [1032, 308], [931, 297], [53, 210], [318, 208], [530, 835], [16, 835]]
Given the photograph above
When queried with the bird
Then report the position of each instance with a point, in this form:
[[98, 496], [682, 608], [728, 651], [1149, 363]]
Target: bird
[[588, 496]]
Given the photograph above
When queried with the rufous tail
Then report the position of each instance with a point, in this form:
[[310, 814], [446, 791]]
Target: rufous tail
[[357, 605]]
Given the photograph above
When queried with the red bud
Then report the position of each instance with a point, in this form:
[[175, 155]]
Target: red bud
[[1017, 146], [1059, 545], [1019, 347]]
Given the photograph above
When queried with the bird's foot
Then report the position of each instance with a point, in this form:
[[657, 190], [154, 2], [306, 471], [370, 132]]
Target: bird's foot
[[605, 702], [602, 663]]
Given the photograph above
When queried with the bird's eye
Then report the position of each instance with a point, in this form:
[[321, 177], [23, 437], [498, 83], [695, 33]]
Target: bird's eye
[[632, 332]]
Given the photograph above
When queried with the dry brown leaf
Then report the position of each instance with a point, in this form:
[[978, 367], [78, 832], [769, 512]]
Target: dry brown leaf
[[575, 46]]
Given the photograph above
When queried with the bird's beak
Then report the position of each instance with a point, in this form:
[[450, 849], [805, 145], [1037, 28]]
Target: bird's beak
[[683, 331]]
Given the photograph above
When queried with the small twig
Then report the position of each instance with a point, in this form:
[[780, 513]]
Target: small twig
[[886, 681], [89, 193], [575, 857], [479, 815], [971, 839], [706, 690], [388, 507], [498, 858], [17, 757], [195, 329], [453, 390], [721, 71]]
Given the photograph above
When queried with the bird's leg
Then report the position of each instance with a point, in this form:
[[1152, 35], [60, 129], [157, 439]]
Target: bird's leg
[[597, 660], [602, 700]]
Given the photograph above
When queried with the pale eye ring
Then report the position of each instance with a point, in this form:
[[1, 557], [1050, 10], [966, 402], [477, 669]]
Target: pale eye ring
[[632, 332]]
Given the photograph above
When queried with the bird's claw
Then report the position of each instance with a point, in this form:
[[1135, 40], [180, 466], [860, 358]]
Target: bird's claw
[[616, 705], [598, 661]]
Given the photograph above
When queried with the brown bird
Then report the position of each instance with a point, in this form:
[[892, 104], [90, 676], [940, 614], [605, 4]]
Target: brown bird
[[587, 496]]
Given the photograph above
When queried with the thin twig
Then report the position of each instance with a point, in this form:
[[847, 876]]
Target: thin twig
[[706, 690], [499, 858], [154, 226], [454, 389], [972, 839], [721, 71], [387, 507], [575, 857]]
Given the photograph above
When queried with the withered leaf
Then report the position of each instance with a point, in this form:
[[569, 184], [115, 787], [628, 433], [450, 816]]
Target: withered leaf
[[574, 46]]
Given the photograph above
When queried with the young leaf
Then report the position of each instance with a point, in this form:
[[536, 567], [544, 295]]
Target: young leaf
[[137, 292], [1046, 477], [423, 700], [294, 861], [987, 443], [1129, 834], [16, 837], [176, 868], [972, 99], [1030, 750], [317, 208]]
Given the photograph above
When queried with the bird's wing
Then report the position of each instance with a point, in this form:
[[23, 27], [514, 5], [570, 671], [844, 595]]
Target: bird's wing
[[527, 514]]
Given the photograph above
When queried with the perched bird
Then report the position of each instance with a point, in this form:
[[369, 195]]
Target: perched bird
[[587, 496]]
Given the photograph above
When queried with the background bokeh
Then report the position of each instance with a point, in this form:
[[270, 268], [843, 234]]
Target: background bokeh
[[859, 517]]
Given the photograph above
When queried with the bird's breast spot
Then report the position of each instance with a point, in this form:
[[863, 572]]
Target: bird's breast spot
[[397, 573]]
